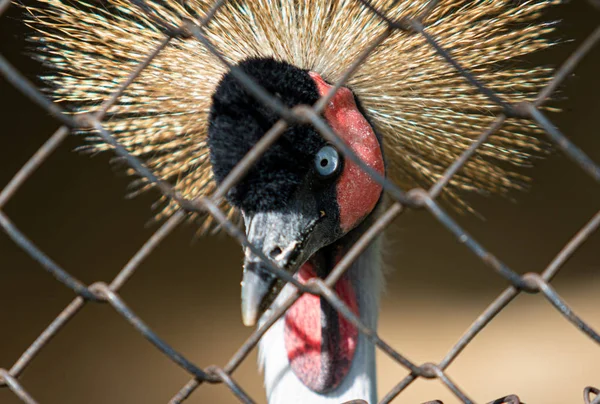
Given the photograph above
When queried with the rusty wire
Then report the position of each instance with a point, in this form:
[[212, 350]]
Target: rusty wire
[[417, 198]]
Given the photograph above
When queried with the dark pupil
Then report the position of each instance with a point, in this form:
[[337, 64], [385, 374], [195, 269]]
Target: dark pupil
[[324, 163]]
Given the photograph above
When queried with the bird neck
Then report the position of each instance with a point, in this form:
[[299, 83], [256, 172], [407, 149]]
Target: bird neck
[[365, 279]]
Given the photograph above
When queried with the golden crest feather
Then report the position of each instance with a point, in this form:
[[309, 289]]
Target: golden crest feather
[[427, 113]]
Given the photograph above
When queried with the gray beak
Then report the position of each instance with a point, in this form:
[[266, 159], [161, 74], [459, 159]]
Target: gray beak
[[285, 239], [256, 285]]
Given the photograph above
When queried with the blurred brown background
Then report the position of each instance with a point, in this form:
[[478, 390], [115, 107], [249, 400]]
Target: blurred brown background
[[74, 209]]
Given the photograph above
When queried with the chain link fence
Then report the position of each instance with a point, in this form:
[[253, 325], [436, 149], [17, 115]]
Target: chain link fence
[[101, 292]]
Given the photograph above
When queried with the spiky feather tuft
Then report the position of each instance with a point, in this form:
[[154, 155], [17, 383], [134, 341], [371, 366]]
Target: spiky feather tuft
[[426, 112]]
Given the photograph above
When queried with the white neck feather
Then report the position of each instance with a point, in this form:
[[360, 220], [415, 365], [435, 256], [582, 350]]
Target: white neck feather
[[281, 383]]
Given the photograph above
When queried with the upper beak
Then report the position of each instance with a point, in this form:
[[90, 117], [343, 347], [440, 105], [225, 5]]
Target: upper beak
[[285, 239], [256, 285]]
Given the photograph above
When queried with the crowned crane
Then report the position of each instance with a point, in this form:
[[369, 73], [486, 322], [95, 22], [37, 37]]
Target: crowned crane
[[406, 113]]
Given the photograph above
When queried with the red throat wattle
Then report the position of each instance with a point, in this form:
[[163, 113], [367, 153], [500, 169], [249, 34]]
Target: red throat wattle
[[321, 361], [357, 192]]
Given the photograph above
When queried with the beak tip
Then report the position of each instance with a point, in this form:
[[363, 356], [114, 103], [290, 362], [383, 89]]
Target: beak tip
[[249, 314], [249, 321]]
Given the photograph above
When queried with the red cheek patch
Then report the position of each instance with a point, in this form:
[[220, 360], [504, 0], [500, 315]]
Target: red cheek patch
[[357, 192], [320, 369]]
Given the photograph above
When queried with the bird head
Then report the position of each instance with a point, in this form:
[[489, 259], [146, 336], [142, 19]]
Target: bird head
[[302, 194]]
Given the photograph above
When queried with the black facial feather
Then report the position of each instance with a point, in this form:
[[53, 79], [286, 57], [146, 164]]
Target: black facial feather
[[237, 121]]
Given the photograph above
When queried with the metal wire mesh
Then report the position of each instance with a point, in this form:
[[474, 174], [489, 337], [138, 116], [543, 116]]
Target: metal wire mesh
[[101, 292]]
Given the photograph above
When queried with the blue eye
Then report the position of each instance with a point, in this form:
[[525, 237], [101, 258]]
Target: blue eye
[[327, 161]]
